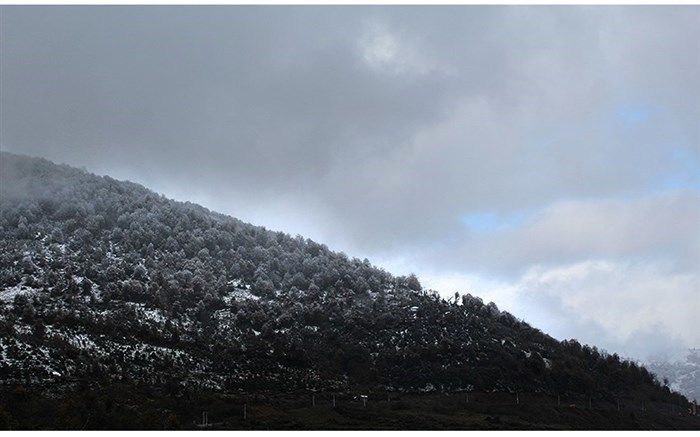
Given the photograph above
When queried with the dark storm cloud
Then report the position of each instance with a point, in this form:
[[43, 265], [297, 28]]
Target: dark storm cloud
[[391, 132], [242, 97]]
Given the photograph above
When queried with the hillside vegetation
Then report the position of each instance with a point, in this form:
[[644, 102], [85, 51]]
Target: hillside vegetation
[[105, 282]]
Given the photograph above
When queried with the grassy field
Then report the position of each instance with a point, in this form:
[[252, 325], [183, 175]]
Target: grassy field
[[129, 407], [423, 411]]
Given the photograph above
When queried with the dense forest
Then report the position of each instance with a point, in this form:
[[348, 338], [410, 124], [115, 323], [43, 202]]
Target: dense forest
[[105, 282]]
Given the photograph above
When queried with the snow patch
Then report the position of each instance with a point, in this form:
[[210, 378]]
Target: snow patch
[[8, 295]]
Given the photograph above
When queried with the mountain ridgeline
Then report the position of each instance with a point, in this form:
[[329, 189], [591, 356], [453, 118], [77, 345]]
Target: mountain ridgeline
[[104, 281]]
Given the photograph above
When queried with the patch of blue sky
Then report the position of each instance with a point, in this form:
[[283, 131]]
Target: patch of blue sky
[[678, 182], [488, 221], [632, 115], [686, 174]]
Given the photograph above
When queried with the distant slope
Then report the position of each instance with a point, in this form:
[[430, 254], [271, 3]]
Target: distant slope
[[105, 281], [682, 376]]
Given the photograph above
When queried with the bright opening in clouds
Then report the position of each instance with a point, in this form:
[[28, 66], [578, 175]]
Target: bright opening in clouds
[[544, 158]]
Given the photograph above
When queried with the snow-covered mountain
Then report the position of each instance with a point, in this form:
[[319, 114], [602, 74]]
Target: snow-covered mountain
[[103, 281], [682, 376]]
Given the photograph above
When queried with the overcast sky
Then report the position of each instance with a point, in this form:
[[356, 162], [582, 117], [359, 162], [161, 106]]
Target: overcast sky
[[544, 158]]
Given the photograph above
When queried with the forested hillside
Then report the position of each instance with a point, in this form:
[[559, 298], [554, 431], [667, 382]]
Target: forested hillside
[[103, 281]]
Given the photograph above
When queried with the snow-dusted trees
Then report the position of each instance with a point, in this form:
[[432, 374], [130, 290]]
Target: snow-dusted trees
[[412, 283], [111, 257]]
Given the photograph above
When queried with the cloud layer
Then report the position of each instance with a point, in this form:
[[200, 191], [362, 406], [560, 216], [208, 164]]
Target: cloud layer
[[548, 157]]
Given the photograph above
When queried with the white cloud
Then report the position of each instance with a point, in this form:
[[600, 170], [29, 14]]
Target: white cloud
[[623, 297], [387, 52], [658, 226]]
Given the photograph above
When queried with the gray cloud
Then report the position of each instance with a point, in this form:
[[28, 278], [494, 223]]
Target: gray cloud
[[653, 227], [378, 130]]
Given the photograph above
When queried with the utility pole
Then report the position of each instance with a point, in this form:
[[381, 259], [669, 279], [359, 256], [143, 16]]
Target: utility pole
[[517, 399]]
